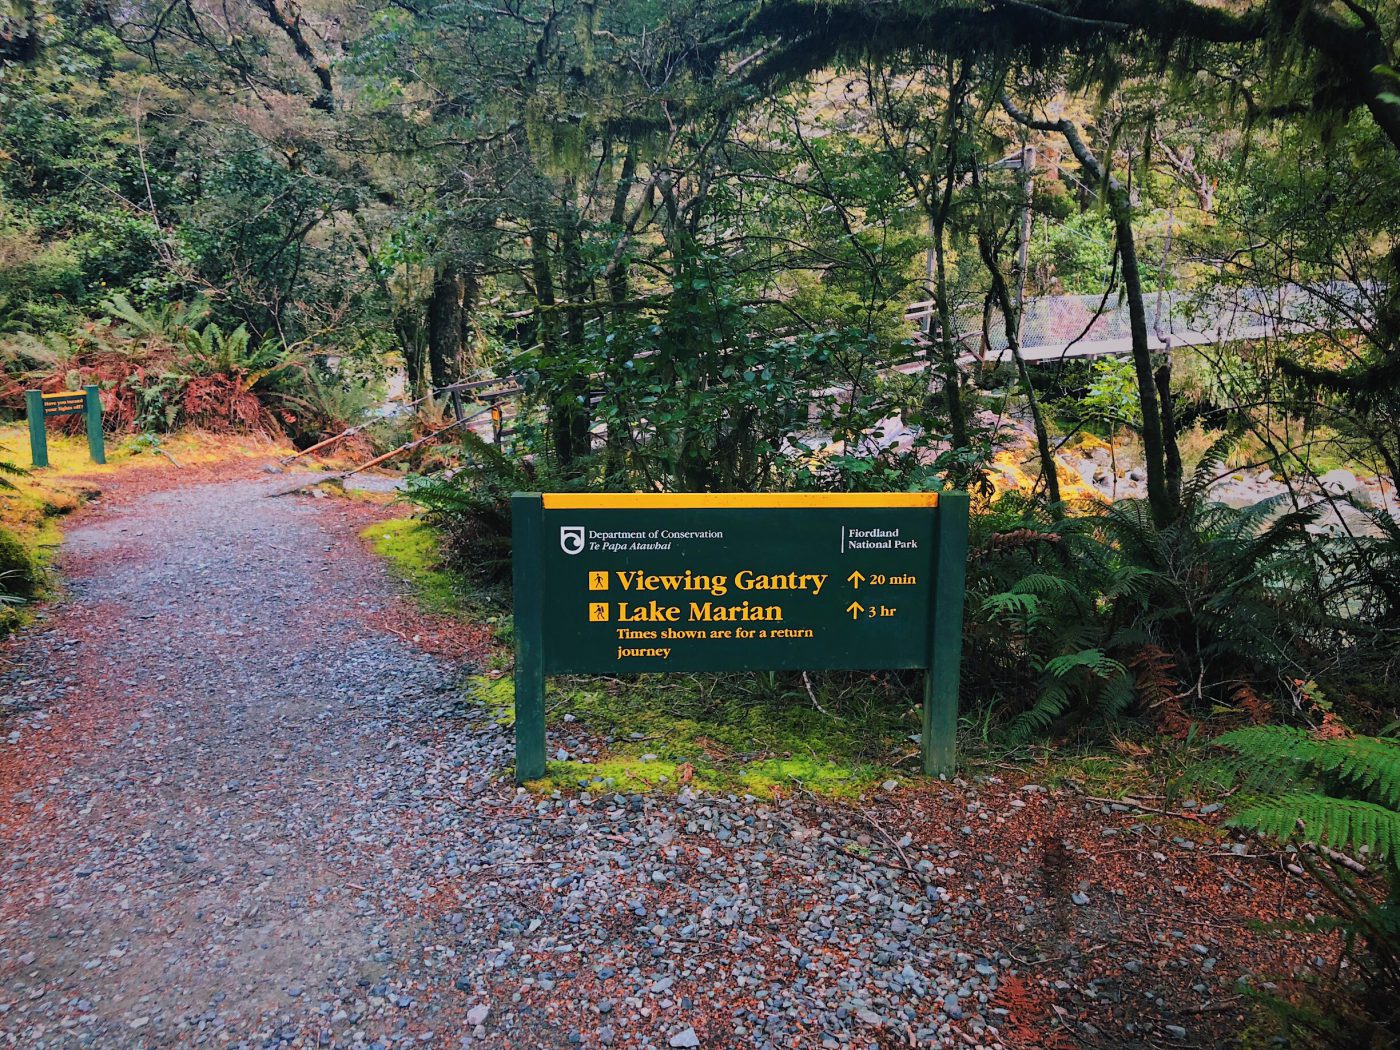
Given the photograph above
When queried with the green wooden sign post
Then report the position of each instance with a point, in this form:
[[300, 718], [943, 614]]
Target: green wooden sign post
[[39, 407], [617, 584]]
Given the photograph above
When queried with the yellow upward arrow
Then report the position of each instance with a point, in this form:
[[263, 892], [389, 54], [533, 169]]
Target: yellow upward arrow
[[855, 609], [856, 579]]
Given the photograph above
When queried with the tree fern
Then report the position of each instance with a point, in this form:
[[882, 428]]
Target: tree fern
[[1225, 596]]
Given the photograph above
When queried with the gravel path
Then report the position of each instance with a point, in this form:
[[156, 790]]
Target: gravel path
[[201, 728], [236, 813]]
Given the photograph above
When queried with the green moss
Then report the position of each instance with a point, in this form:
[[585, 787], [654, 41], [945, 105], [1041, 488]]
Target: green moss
[[496, 695], [748, 734], [816, 775], [633, 773], [19, 572], [629, 775], [411, 548]]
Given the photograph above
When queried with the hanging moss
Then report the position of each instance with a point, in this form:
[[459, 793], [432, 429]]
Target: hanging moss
[[585, 29], [559, 139]]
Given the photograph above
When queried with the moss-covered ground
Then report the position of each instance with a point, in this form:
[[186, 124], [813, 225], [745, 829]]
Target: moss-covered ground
[[412, 549]]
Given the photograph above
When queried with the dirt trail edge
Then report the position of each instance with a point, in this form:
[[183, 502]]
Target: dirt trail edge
[[235, 813]]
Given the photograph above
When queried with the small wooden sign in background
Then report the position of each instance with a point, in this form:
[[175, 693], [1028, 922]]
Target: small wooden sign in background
[[40, 406], [612, 584]]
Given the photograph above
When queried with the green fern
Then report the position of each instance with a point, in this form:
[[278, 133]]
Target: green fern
[[10, 470], [1010, 603], [1349, 825], [1337, 798], [171, 322], [1267, 756], [1054, 700], [1094, 660]]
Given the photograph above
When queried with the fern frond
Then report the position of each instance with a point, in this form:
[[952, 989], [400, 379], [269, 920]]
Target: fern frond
[[1344, 824], [119, 306], [1116, 696], [1249, 518], [1096, 660], [1208, 468], [1154, 674], [1043, 583], [1368, 765], [1130, 581], [1050, 705], [1012, 602]]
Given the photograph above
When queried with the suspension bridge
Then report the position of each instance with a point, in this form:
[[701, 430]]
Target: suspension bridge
[[1057, 327]]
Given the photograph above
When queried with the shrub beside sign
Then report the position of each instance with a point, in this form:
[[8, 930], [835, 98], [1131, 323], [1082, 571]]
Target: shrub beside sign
[[617, 584]]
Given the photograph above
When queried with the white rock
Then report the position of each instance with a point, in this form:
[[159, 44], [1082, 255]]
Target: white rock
[[1339, 481]]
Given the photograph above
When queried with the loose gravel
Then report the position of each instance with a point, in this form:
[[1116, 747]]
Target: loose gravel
[[234, 812]]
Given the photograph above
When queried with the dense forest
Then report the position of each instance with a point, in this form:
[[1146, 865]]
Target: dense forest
[[683, 241]]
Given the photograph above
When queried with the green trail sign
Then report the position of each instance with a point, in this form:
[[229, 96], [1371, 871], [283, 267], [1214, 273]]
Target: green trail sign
[[617, 584], [39, 407]]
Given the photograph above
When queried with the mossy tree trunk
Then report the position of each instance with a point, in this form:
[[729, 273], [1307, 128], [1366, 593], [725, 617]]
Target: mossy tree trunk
[[446, 324], [568, 412]]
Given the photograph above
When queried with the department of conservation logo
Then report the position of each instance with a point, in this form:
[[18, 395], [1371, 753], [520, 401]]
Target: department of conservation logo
[[571, 538]]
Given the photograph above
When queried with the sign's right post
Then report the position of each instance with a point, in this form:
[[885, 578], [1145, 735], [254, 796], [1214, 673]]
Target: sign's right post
[[92, 410], [945, 649]]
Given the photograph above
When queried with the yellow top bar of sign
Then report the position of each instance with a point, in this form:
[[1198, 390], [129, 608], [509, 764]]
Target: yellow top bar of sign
[[739, 500], [64, 394]]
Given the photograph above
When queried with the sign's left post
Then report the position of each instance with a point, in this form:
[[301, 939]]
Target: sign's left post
[[38, 440], [527, 556], [92, 408]]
